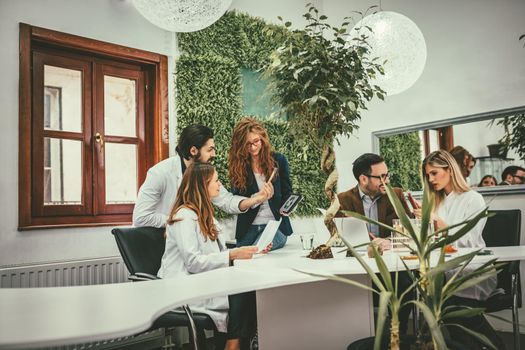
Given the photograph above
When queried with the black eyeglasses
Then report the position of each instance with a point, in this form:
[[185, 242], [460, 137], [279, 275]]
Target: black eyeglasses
[[522, 178], [379, 177]]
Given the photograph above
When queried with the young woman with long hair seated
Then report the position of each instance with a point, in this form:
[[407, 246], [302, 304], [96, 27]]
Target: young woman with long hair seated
[[194, 244], [455, 203], [251, 161]]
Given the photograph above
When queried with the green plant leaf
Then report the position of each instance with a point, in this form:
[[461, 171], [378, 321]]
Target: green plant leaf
[[363, 263], [353, 214], [382, 315], [468, 225], [432, 324], [451, 264], [482, 338], [402, 215], [466, 312]]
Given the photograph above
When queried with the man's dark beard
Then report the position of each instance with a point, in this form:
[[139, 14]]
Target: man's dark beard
[[197, 158]]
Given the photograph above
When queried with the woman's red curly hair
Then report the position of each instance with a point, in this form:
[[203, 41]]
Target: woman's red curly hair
[[239, 159]]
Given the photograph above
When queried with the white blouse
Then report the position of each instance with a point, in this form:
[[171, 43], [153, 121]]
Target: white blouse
[[456, 208], [187, 252], [265, 213]]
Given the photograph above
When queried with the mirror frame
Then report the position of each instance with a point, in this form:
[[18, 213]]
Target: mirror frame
[[486, 191]]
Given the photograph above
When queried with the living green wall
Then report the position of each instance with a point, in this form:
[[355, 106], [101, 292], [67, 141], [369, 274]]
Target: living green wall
[[402, 154], [209, 90]]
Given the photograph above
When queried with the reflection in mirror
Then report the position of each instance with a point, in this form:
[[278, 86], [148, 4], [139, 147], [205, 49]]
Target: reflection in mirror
[[490, 142]]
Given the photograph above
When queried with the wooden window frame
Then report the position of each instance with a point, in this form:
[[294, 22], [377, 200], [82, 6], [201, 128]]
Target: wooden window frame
[[156, 131], [445, 138]]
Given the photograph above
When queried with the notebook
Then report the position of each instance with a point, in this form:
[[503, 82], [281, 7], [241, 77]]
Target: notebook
[[353, 230], [268, 234]]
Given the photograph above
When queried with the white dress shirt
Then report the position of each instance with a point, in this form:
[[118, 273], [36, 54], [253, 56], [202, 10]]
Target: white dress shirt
[[188, 252], [456, 208], [158, 192]]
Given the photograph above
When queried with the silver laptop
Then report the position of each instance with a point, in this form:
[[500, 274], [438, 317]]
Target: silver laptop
[[352, 230]]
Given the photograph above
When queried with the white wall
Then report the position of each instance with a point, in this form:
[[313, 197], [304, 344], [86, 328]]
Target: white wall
[[475, 63], [114, 21]]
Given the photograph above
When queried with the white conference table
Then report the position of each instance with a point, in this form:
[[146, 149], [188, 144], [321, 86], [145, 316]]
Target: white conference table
[[293, 307]]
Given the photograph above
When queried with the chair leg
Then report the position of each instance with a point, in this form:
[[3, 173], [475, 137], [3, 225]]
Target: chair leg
[[192, 328], [515, 316]]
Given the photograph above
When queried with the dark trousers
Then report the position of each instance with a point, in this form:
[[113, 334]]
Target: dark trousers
[[477, 324], [403, 283], [242, 320]]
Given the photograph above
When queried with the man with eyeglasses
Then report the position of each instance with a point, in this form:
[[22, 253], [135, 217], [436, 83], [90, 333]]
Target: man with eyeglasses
[[369, 198], [513, 175]]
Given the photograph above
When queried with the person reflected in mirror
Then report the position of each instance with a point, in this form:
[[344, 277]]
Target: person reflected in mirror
[[513, 175], [488, 181], [252, 163], [456, 202], [369, 198], [465, 160], [194, 244]]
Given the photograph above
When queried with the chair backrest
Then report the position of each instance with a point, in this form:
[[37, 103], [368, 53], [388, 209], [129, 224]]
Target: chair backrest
[[504, 229], [141, 248]]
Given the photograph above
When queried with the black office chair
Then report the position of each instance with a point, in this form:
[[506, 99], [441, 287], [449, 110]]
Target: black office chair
[[503, 229], [142, 249]]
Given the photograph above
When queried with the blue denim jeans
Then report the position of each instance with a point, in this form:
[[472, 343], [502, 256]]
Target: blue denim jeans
[[254, 233]]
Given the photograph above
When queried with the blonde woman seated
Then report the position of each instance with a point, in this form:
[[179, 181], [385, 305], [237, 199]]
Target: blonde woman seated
[[194, 244], [455, 203]]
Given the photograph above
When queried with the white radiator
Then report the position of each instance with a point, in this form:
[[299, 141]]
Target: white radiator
[[64, 273]]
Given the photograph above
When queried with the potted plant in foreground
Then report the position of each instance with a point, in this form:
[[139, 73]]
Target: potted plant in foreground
[[428, 276]]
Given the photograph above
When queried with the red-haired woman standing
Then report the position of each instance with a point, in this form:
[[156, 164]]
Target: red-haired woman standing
[[251, 162]]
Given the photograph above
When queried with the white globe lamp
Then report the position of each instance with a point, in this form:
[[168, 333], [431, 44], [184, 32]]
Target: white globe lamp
[[398, 40], [182, 15]]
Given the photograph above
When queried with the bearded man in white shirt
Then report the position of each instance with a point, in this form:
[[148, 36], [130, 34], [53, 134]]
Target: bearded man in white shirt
[[158, 192]]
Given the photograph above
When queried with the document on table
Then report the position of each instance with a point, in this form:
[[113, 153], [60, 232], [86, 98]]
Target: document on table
[[267, 235]]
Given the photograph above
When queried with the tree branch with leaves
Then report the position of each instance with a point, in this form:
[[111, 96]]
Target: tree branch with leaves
[[321, 78]]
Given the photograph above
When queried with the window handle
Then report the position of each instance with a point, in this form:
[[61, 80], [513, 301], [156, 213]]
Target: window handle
[[99, 139]]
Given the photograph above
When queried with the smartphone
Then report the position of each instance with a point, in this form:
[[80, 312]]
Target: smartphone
[[413, 202], [485, 252], [272, 175], [290, 204]]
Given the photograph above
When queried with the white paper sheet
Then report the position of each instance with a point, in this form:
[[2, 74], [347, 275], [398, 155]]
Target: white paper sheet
[[268, 234]]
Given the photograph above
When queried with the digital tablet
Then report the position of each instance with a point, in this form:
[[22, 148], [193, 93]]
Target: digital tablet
[[290, 204]]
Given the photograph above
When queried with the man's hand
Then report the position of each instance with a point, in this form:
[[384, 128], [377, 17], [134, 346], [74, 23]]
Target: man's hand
[[383, 243], [264, 194]]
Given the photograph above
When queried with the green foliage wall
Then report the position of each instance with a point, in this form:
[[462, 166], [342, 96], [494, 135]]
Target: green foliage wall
[[209, 91], [402, 155]]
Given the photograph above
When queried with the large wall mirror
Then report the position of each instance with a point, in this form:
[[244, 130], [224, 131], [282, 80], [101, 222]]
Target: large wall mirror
[[484, 135]]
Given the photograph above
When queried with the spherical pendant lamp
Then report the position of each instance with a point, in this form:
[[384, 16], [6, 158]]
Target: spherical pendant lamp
[[182, 15], [398, 40]]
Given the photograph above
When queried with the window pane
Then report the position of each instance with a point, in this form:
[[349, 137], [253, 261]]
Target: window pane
[[119, 106], [62, 99], [62, 171], [121, 173]]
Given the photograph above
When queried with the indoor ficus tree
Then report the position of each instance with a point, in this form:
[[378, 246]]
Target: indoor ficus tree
[[321, 78]]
